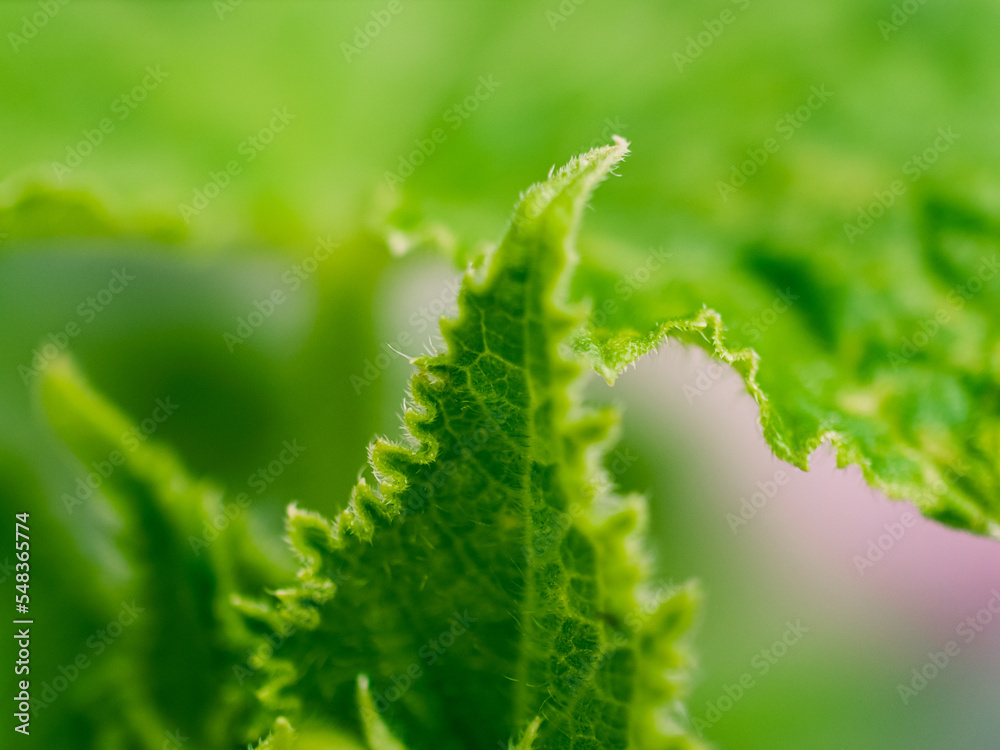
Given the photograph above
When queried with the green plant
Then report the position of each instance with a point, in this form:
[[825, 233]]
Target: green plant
[[492, 522]]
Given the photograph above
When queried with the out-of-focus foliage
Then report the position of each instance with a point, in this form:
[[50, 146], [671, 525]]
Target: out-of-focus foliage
[[861, 180], [187, 553], [536, 83], [900, 369]]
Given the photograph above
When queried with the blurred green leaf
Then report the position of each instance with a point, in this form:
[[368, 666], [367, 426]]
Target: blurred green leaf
[[188, 553], [894, 360]]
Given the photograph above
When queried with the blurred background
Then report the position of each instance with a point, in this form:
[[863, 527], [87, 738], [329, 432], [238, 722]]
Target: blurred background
[[167, 168]]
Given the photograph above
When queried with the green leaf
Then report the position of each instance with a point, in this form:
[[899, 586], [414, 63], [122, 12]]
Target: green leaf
[[377, 734], [486, 582], [180, 641], [42, 212], [282, 738], [899, 371]]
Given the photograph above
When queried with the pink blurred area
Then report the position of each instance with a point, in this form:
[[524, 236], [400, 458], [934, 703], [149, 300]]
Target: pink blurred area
[[873, 570]]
